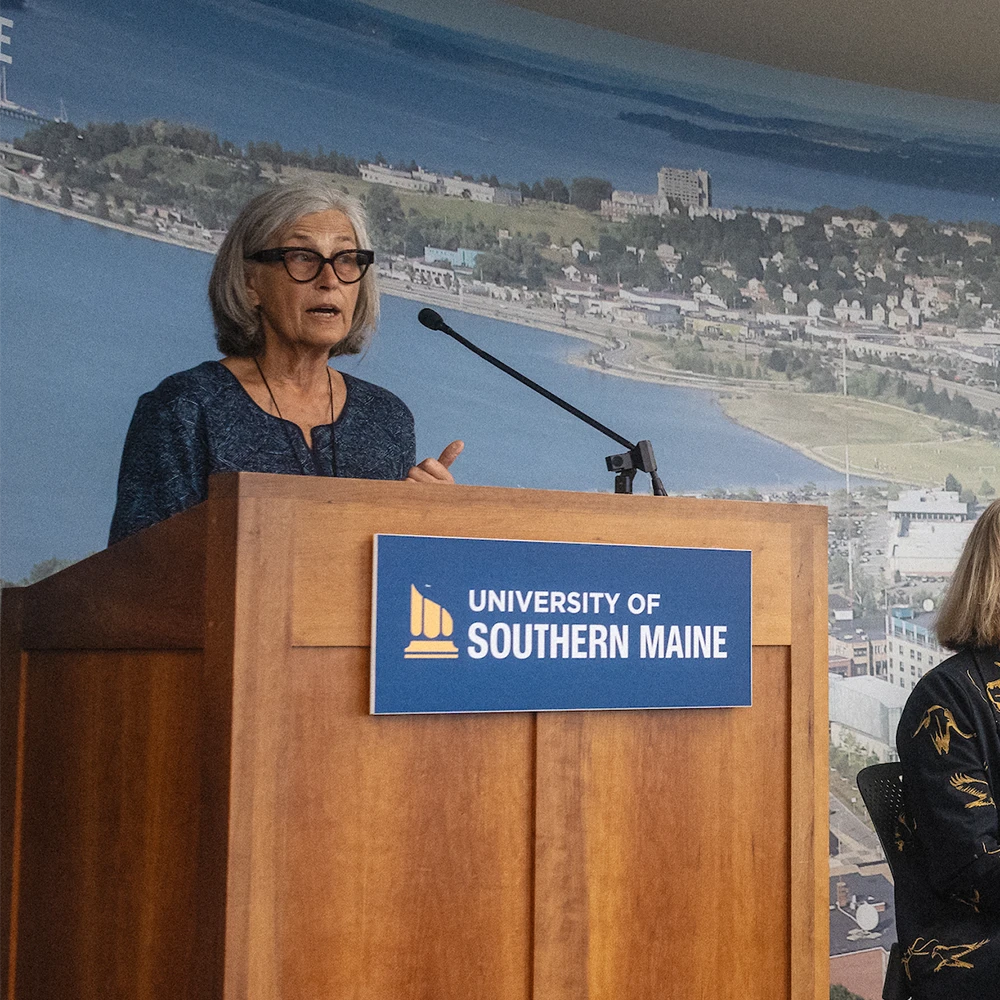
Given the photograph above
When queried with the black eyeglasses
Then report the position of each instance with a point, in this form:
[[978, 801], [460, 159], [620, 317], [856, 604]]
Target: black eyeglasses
[[305, 265]]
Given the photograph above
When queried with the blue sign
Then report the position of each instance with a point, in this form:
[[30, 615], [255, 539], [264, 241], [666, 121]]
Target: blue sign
[[481, 625]]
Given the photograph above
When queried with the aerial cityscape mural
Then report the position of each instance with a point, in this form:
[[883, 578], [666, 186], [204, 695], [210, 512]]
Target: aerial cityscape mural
[[790, 285]]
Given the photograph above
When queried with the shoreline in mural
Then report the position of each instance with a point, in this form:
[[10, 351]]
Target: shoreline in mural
[[179, 185], [101, 335], [751, 403]]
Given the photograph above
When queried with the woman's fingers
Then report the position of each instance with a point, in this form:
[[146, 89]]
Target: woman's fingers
[[435, 470], [451, 452]]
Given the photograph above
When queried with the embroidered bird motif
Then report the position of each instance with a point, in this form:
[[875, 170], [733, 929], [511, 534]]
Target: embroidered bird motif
[[903, 831], [973, 899], [993, 692], [976, 788], [972, 681], [944, 724], [948, 956]]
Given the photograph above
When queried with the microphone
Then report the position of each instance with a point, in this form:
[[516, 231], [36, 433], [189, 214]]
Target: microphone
[[639, 457], [432, 320]]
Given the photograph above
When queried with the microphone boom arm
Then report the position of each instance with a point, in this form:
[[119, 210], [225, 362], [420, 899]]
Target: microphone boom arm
[[638, 457]]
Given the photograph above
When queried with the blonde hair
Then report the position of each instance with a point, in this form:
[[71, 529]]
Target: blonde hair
[[970, 613], [237, 324]]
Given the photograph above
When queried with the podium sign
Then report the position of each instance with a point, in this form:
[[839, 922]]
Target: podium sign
[[484, 625]]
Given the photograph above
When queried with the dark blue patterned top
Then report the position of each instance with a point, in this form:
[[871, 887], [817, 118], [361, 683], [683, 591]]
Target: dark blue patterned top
[[202, 421]]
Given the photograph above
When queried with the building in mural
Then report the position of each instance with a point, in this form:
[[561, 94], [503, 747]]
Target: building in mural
[[861, 643], [930, 528], [622, 205], [862, 929], [868, 709], [426, 182], [927, 551], [850, 642], [692, 188], [929, 505], [912, 646]]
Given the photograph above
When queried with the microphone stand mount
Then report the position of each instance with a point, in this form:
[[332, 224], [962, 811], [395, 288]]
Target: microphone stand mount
[[638, 458]]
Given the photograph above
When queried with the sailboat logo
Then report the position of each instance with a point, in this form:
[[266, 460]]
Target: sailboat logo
[[428, 621]]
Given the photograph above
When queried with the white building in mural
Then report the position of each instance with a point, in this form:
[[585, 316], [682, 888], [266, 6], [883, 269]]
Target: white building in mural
[[929, 505], [425, 182], [623, 205], [930, 528], [374, 173], [912, 647], [927, 549], [868, 709], [432, 274]]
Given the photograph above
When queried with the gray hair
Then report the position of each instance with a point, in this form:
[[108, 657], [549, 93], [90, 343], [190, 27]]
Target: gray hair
[[238, 329]]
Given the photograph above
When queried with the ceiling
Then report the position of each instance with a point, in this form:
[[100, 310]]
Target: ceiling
[[946, 47]]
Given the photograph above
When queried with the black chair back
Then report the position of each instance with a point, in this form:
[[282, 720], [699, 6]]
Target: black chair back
[[881, 787]]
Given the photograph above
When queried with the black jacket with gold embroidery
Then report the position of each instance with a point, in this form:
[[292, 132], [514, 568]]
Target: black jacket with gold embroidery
[[948, 836]]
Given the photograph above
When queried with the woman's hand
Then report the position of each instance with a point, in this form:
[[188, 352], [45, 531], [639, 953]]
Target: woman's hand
[[435, 470]]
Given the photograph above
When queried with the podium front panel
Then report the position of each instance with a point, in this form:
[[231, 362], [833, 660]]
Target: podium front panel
[[198, 804]]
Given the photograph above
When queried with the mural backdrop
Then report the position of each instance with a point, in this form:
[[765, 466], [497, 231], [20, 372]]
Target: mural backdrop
[[791, 285]]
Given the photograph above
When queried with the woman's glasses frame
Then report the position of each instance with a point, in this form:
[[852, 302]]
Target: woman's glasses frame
[[362, 259]]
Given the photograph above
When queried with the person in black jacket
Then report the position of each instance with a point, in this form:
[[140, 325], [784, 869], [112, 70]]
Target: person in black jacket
[[948, 834]]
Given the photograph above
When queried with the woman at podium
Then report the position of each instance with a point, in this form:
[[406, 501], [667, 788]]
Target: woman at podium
[[948, 835], [292, 287]]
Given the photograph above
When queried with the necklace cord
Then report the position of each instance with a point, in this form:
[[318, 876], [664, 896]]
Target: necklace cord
[[333, 433], [268, 387]]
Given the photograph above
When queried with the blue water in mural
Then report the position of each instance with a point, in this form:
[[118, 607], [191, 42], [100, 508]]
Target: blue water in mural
[[82, 341]]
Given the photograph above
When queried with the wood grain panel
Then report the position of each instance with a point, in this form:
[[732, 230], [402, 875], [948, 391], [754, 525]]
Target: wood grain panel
[[678, 822], [809, 766], [146, 592], [368, 857], [12, 694], [406, 846], [235, 826], [111, 902], [332, 572], [255, 574]]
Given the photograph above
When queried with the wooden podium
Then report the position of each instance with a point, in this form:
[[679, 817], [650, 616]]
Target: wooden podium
[[198, 806]]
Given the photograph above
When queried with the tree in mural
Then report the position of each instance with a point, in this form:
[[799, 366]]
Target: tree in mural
[[588, 192]]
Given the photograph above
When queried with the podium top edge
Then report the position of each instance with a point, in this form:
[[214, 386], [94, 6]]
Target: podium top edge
[[269, 486]]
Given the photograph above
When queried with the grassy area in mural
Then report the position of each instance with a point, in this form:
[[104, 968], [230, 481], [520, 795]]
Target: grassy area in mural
[[887, 442], [562, 223]]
